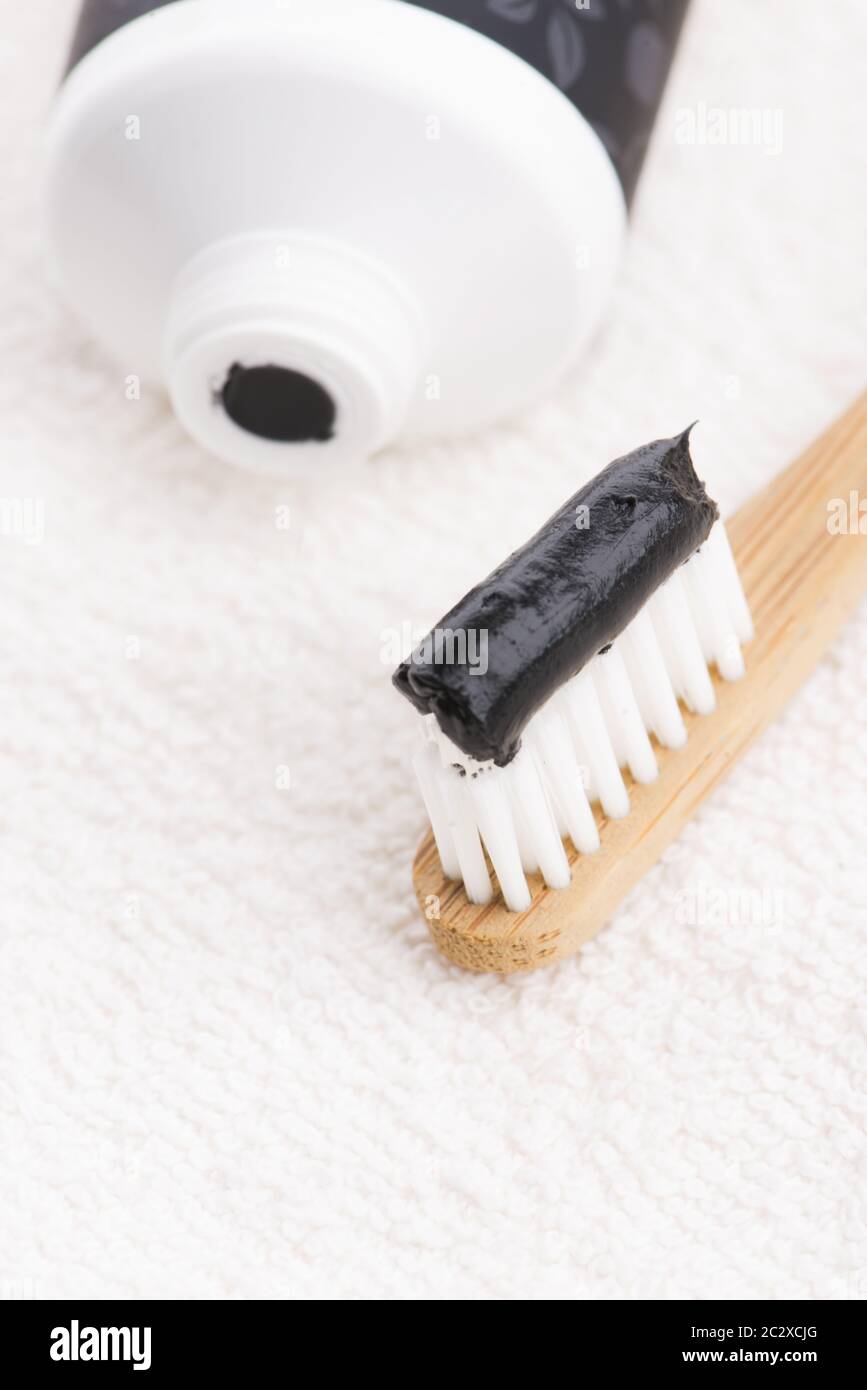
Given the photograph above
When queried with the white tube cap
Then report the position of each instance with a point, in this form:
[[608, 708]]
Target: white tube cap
[[282, 353], [327, 225]]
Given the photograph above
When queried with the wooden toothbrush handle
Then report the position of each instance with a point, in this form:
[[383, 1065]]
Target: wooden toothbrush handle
[[802, 580]]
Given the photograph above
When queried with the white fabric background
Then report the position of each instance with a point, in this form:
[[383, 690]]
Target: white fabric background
[[233, 1065]]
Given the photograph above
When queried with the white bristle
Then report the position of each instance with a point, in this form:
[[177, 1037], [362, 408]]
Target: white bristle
[[465, 833], [544, 836], [427, 769], [709, 608], [573, 749], [588, 726], [680, 643], [497, 829], [622, 714], [652, 683], [522, 830], [553, 746], [719, 550]]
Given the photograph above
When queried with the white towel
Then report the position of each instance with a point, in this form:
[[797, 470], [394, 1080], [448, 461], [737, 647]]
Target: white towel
[[233, 1063]]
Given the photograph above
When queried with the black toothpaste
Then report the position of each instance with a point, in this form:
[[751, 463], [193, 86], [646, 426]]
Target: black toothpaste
[[563, 597]]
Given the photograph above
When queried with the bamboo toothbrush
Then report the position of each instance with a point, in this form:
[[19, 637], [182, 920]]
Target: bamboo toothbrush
[[802, 574]]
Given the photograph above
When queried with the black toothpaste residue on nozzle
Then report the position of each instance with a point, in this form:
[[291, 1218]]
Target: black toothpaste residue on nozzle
[[563, 597], [278, 403]]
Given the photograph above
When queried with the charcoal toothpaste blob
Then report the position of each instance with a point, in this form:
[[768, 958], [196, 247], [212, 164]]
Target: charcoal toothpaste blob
[[563, 597], [590, 634], [326, 225]]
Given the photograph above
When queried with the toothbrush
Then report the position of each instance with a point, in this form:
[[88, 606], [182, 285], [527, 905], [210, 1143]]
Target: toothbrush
[[587, 636], [514, 873]]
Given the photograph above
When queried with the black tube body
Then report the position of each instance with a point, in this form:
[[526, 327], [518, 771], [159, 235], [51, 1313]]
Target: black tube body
[[99, 18], [560, 599], [611, 60]]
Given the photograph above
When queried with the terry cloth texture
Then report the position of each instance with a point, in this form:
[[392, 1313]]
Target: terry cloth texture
[[233, 1063]]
